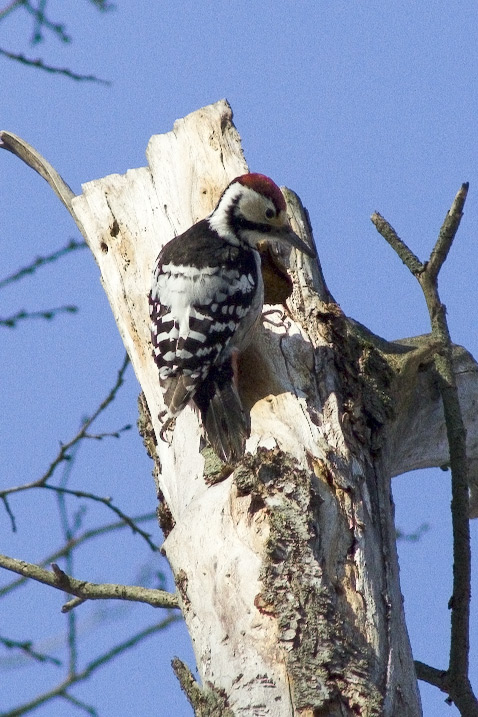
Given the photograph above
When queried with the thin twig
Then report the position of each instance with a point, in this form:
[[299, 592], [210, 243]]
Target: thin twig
[[110, 434], [91, 667], [89, 591], [27, 649], [68, 534], [30, 269], [70, 605], [412, 537], [13, 5], [47, 314], [39, 16], [105, 501], [9, 513], [42, 21], [66, 447], [40, 65], [103, 5], [78, 703]]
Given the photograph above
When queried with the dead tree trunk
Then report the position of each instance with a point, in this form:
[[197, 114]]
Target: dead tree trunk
[[286, 567]]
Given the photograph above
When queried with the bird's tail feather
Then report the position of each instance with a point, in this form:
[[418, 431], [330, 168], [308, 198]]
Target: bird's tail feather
[[227, 424]]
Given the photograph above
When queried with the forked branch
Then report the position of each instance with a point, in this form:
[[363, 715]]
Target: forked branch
[[61, 690], [454, 681]]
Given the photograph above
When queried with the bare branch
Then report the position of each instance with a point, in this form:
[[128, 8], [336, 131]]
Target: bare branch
[[456, 680], [30, 269], [89, 591], [47, 314], [13, 5], [78, 540], [435, 677], [63, 454], [61, 689], [34, 159], [390, 235], [9, 513], [105, 501], [447, 233], [78, 703], [203, 701], [27, 649], [41, 21], [39, 64]]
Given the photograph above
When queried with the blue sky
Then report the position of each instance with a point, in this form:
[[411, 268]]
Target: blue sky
[[357, 106]]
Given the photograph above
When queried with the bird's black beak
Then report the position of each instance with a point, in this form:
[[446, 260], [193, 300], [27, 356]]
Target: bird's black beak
[[290, 237]]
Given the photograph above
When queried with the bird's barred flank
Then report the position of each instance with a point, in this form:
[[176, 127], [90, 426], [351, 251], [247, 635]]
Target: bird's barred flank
[[205, 302]]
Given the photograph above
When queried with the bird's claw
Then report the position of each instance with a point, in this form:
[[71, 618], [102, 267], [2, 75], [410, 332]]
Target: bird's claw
[[167, 429]]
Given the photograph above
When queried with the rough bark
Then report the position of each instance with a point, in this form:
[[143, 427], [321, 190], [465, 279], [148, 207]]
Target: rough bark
[[286, 567]]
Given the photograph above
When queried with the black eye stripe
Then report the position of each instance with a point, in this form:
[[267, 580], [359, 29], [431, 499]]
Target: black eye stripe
[[253, 226]]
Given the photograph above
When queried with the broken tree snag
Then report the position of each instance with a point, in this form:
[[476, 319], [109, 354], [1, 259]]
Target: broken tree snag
[[286, 567]]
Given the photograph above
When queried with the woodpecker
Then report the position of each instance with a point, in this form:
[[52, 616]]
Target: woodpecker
[[205, 302]]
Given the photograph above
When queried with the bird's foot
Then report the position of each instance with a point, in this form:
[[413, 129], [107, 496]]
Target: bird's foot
[[167, 429]]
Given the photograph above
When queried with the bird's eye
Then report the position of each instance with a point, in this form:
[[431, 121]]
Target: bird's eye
[[270, 213]]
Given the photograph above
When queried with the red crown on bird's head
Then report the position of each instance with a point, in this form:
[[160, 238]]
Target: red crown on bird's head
[[264, 185]]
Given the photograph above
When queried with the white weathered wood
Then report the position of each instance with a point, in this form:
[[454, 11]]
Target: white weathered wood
[[289, 584], [126, 220], [417, 438]]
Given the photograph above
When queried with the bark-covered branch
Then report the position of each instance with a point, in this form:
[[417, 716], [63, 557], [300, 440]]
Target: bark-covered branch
[[456, 680], [406, 255], [75, 542], [88, 591], [205, 702]]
